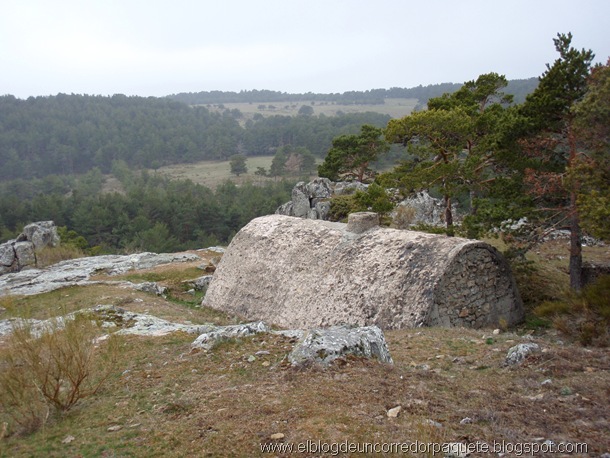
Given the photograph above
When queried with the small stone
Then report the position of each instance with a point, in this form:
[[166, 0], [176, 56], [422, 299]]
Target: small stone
[[251, 358], [114, 428], [393, 412], [466, 421], [456, 450], [519, 352], [496, 332], [266, 363], [67, 439], [548, 381], [436, 424], [464, 313], [277, 436]]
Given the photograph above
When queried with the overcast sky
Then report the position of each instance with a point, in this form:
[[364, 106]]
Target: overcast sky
[[160, 47]]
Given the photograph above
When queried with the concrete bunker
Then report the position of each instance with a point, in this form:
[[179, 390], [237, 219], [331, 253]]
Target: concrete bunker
[[300, 273]]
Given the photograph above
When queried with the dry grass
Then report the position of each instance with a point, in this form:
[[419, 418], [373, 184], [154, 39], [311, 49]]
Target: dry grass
[[164, 400]]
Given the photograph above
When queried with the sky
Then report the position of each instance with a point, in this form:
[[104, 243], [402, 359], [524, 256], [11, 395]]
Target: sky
[[162, 47]]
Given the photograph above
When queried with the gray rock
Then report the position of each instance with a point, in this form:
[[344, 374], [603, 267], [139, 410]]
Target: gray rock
[[325, 345], [42, 234], [7, 254], [349, 187], [76, 272], [151, 287], [285, 209], [300, 200], [208, 339], [319, 188], [202, 283], [24, 254], [142, 324], [456, 450], [425, 210], [308, 200], [519, 352]]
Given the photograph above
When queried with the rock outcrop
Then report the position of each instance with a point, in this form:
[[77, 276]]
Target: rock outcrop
[[77, 272], [312, 201], [309, 200], [323, 346], [20, 253], [421, 208], [301, 273]]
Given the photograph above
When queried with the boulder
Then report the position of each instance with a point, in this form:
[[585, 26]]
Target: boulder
[[517, 354], [25, 254], [318, 274], [18, 254], [422, 209], [323, 346], [308, 200], [42, 234], [207, 340]]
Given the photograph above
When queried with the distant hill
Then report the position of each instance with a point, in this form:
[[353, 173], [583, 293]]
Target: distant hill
[[519, 88]]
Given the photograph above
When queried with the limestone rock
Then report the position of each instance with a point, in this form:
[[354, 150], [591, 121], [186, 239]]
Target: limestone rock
[[394, 412], [316, 274], [208, 340], [518, 353], [325, 345], [151, 287], [202, 283], [308, 200], [42, 234], [20, 253], [24, 254], [349, 187], [424, 209], [78, 271]]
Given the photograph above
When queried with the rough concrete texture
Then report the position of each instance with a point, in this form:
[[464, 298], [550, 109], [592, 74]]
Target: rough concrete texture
[[299, 273]]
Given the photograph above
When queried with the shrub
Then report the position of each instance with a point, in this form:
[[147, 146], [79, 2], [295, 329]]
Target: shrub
[[52, 365], [404, 216], [584, 315]]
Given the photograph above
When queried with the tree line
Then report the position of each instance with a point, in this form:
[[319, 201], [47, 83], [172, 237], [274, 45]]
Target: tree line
[[519, 88], [151, 213], [71, 134]]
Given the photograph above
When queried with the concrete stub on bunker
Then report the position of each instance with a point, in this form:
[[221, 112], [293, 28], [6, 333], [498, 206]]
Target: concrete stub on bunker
[[360, 222], [300, 273]]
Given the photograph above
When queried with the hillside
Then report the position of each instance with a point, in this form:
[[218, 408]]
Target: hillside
[[163, 399]]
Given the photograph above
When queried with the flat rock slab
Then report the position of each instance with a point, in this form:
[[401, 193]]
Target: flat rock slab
[[77, 272]]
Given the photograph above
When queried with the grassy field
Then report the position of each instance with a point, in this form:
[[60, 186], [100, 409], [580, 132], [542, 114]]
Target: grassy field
[[213, 173], [396, 108], [162, 399]]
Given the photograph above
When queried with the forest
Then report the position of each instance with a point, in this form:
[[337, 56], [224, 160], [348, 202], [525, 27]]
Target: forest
[[71, 134], [519, 89]]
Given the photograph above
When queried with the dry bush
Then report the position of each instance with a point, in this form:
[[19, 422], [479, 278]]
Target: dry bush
[[52, 255], [404, 217], [583, 315], [54, 366]]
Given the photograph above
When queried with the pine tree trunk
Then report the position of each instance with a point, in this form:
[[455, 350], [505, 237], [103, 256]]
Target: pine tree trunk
[[448, 215], [575, 244], [575, 247]]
